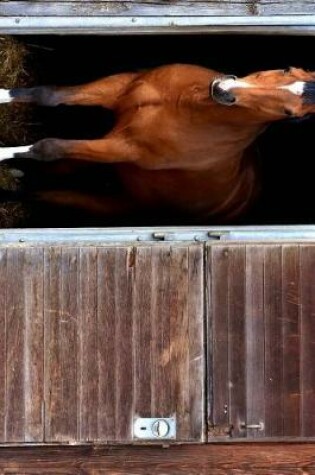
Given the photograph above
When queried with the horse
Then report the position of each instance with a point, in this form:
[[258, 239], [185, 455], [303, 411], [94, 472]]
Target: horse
[[182, 140]]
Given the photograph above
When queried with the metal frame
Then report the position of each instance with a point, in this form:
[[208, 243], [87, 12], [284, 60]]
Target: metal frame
[[109, 236], [103, 25]]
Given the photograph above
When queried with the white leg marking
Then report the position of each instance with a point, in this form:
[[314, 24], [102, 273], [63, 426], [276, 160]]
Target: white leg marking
[[296, 88], [5, 96], [9, 152]]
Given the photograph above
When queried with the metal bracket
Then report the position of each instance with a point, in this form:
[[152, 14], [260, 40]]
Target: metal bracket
[[154, 428], [260, 426]]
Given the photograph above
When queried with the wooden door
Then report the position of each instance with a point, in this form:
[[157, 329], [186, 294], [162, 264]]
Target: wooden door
[[261, 351], [92, 337]]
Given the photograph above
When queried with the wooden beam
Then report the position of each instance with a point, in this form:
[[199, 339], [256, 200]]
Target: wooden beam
[[214, 459]]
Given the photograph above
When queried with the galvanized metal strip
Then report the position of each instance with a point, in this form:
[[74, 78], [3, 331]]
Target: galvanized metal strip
[[289, 24], [153, 234]]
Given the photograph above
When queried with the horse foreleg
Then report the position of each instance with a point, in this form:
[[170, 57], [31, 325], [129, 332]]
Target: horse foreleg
[[111, 149], [104, 92]]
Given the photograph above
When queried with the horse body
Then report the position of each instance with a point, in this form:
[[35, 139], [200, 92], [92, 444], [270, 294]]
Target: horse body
[[177, 143]]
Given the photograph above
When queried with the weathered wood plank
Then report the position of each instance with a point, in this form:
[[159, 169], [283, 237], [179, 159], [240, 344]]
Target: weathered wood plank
[[307, 262], [151, 8], [255, 338], [88, 378], [223, 459], [236, 340], [15, 332], [106, 313], [142, 334], [34, 344], [61, 319], [123, 343], [3, 343], [179, 349], [274, 358], [291, 314], [197, 377], [163, 342], [218, 267]]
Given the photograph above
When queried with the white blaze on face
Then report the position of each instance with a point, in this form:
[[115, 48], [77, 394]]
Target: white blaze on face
[[227, 84], [296, 88]]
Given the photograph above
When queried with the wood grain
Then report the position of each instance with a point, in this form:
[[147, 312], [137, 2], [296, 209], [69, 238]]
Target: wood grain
[[142, 331], [222, 459], [88, 378], [291, 314], [218, 265], [15, 336], [307, 263], [121, 325], [274, 358], [237, 341], [151, 8], [260, 342], [61, 320]]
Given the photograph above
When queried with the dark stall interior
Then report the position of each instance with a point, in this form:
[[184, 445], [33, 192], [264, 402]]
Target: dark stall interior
[[286, 148]]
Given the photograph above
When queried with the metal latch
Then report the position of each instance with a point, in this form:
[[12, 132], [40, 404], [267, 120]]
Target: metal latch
[[260, 426], [154, 428]]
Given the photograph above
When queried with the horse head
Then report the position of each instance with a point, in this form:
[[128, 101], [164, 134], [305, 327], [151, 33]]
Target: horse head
[[269, 95]]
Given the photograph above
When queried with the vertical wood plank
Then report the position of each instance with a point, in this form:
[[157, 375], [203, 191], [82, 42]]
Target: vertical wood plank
[[88, 344], [274, 419], [34, 344], [61, 285], [142, 331], [3, 342], [179, 339], [218, 267], [236, 340], [52, 308], [255, 338], [291, 314], [308, 339], [106, 315], [15, 324], [163, 347], [197, 380], [124, 265]]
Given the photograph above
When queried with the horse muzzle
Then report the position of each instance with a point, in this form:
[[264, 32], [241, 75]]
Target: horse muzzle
[[219, 94]]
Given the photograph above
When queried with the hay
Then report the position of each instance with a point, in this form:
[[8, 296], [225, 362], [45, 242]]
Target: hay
[[14, 120]]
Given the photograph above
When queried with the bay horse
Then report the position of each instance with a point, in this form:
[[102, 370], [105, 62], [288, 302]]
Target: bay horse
[[182, 139]]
